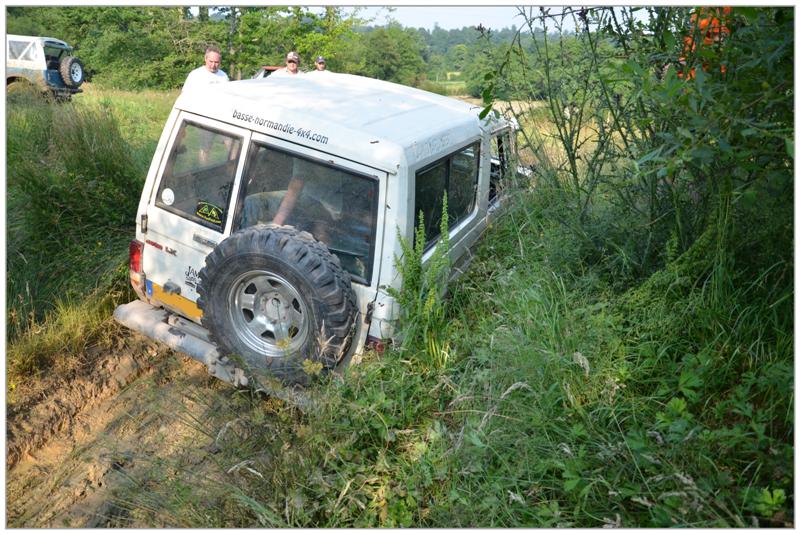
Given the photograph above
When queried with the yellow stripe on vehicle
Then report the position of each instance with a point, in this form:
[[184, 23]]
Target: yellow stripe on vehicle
[[178, 303]]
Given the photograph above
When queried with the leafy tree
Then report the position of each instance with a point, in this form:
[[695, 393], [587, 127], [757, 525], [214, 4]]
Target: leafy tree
[[394, 54], [157, 46]]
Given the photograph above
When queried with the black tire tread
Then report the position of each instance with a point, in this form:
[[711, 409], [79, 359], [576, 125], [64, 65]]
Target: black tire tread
[[332, 290]]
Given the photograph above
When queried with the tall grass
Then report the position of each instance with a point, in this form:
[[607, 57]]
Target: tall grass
[[563, 403], [75, 172]]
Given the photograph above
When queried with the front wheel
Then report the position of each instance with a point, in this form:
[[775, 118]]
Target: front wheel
[[278, 299]]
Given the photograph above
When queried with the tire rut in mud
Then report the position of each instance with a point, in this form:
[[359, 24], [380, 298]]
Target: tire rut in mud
[[140, 406], [55, 411], [49, 425]]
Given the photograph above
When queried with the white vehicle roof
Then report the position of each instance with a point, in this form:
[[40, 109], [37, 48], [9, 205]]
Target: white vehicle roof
[[377, 123], [42, 40]]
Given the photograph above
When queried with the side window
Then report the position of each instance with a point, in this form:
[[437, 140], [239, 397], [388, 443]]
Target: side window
[[429, 193], [16, 48], [500, 164], [463, 184], [457, 175], [199, 174], [338, 207]]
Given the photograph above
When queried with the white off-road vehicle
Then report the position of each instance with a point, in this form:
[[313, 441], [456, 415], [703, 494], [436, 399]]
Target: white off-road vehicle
[[267, 230], [44, 64]]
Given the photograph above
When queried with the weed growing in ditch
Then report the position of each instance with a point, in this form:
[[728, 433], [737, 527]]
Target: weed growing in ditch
[[423, 322]]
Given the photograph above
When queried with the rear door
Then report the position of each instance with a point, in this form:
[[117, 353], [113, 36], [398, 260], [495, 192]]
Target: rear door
[[190, 209], [339, 204]]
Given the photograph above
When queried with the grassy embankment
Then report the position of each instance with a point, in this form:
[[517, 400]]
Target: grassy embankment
[[563, 400], [75, 173]]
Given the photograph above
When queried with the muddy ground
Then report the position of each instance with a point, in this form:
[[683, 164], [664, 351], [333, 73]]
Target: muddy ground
[[73, 440]]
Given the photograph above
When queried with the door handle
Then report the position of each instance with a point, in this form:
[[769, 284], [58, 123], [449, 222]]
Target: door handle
[[204, 241]]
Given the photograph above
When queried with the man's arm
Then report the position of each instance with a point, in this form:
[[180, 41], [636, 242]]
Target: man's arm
[[289, 200]]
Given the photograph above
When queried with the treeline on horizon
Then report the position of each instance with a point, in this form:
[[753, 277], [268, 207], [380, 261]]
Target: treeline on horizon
[[156, 47]]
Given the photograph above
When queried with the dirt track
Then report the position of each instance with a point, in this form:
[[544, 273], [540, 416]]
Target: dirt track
[[70, 445]]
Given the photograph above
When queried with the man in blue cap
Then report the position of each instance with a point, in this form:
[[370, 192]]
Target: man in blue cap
[[320, 65]]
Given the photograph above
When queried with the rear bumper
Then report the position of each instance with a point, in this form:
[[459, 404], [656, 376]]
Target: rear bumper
[[178, 334]]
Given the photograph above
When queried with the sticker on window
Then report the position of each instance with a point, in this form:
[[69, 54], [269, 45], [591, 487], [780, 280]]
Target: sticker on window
[[209, 212], [168, 196]]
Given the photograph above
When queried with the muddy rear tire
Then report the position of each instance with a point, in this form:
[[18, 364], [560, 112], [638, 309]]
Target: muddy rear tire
[[276, 300], [71, 70], [22, 91]]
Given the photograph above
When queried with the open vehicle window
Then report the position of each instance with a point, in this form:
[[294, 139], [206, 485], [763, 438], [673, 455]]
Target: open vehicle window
[[199, 173], [337, 206], [500, 165], [53, 55]]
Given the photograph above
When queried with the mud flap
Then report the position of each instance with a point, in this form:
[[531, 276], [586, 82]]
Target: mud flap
[[180, 335]]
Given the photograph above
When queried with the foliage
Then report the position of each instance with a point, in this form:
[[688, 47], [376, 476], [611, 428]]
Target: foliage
[[392, 53], [667, 156], [156, 47], [422, 323]]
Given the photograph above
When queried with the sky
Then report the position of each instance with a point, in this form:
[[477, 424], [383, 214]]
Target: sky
[[447, 17]]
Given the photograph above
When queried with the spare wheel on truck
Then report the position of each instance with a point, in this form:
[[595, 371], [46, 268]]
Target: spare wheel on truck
[[71, 70], [277, 300]]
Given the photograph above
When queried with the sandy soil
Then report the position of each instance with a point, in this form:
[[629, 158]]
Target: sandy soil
[[72, 441]]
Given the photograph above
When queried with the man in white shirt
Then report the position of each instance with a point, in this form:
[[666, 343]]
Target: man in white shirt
[[200, 77], [208, 73], [319, 64], [292, 66]]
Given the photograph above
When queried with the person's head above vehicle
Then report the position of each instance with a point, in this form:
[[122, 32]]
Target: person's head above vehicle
[[292, 62], [320, 63], [213, 58]]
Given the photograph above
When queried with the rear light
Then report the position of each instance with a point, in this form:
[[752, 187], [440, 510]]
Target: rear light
[[378, 345], [135, 253]]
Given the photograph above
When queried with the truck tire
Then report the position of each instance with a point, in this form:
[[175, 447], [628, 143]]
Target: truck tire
[[71, 70], [21, 90], [277, 299]]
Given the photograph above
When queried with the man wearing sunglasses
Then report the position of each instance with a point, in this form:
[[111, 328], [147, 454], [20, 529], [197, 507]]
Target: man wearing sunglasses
[[292, 65]]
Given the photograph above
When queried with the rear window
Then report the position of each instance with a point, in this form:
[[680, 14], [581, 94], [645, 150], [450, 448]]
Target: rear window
[[198, 177], [337, 206]]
